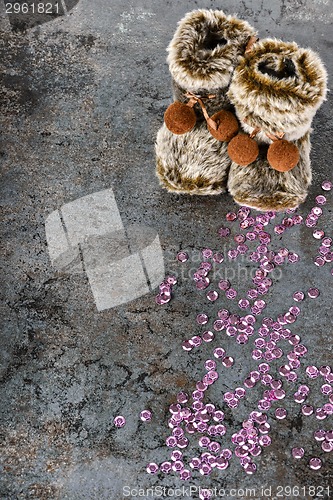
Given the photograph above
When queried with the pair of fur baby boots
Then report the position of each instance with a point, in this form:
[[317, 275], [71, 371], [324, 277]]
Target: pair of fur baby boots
[[242, 114]]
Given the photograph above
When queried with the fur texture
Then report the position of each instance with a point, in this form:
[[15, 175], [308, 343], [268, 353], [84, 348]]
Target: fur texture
[[192, 163], [263, 188], [277, 87], [203, 53]]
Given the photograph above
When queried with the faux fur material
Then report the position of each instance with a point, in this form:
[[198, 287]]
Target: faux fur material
[[278, 87], [193, 163], [206, 48], [263, 188]]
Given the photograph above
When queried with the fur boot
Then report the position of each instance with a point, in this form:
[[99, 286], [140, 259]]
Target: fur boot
[[276, 90], [202, 55]]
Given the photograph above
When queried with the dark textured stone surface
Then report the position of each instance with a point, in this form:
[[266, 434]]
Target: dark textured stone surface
[[83, 97]]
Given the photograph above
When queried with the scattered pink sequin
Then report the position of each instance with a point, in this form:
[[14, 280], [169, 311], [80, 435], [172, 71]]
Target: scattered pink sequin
[[119, 421], [326, 185]]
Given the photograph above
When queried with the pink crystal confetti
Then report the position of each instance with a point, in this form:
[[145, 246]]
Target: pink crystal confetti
[[297, 452], [119, 421], [320, 199], [202, 319], [326, 185], [313, 293], [315, 463], [182, 256], [152, 468], [212, 295], [145, 415]]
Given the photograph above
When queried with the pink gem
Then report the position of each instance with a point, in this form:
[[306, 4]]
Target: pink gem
[[313, 293], [320, 414], [205, 494], [315, 463], [176, 455], [210, 364], [264, 367], [328, 408], [312, 371], [233, 253], [326, 389], [316, 212], [256, 354], [307, 410], [207, 253], [145, 415], [196, 341], [293, 257], [304, 389], [265, 440], [220, 429], [207, 336], [280, 413], [219, 352], [319, 261], [119, 421], [212, 295], [324, 370], [202, 319], [279, 229], [171, 280], [249, 383], [231, 293], [329, 436], [152, 468], [242, 338], [202, 283], [319, 435], [205, 469], [326, 185], [182, 256], [228, 361], [321, 199], [187, 346], [182, 397], [165, 467], [182, 442], [318, 234], [231, 216], [327, 446], [177, 466], [297, 452], [219, 325], [185, 475], [224, 285], [243, 303], [327, 242], [162, 299], [218, 257], [224, 231]]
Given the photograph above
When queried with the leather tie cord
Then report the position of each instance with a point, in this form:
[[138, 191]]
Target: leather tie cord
[[198, 99]]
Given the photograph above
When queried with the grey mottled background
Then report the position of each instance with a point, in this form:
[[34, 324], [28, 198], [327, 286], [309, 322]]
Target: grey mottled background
[[82, 99]]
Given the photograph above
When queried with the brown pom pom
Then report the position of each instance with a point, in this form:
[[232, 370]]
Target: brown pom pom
[[283, 155], [243, 150], [179, 118], [227, 126]]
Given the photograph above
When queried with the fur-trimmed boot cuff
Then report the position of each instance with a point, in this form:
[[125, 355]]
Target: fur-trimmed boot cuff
[[276, 90], [203, 53]]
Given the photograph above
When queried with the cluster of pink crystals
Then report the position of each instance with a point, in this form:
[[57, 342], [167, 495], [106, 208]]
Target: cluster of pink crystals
[[165, 289], [192, 416]]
